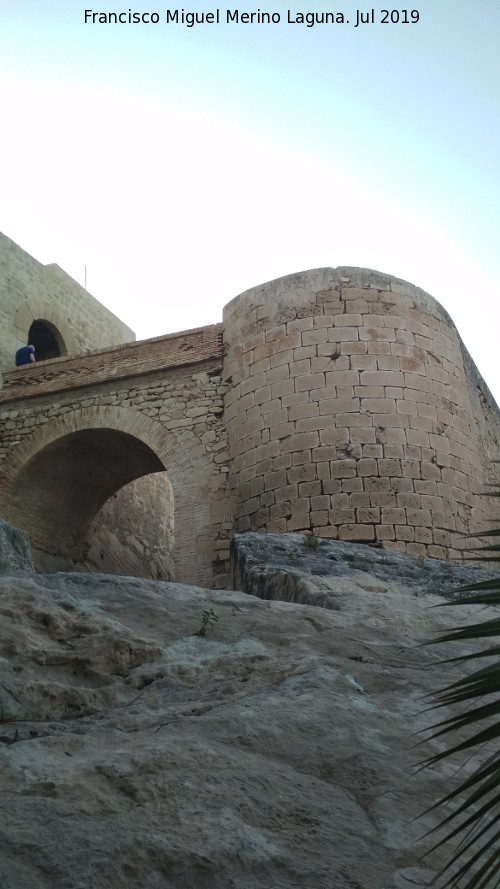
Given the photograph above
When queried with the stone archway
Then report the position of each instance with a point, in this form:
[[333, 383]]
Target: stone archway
[[52, 330], [46, 339], [56, 481]]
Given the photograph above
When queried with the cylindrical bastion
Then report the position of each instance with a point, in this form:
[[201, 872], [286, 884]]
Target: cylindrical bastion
[[355, 412]]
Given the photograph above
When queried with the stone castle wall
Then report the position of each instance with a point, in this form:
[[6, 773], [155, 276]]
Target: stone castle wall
[[353, 414], [339, 402], [30, 291]]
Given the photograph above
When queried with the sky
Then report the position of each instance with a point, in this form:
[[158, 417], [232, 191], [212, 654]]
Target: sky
[[170, 167]]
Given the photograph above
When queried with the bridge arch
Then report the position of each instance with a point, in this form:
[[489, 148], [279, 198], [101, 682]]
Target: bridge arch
[[57, 479]]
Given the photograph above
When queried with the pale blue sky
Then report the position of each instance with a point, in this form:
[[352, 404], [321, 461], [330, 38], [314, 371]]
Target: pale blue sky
[[182, 166]]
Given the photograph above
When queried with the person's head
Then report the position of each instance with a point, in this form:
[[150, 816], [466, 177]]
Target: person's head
[[31, 348]]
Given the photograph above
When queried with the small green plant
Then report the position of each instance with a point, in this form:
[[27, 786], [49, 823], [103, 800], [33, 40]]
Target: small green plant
[[208, 619], [311, 541]]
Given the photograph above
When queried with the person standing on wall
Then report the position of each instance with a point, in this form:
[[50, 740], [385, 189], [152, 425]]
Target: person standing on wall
[[25, 355]]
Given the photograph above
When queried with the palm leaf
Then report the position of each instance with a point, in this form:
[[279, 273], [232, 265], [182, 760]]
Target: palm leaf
[[473, 824]]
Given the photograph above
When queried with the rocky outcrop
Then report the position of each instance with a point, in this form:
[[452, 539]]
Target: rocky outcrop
[[15, 551], [313, 571], [277, 751]]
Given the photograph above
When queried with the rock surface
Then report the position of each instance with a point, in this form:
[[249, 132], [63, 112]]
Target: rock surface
[[277, 752], [15, 552]]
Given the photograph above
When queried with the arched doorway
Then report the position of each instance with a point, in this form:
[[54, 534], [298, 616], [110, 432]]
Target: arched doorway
[[46, 339], [54, 484]]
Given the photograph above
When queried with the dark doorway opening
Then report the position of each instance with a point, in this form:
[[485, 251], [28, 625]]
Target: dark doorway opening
[[46, 339]]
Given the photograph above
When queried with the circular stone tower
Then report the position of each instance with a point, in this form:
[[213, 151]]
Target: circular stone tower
[[355, 412]]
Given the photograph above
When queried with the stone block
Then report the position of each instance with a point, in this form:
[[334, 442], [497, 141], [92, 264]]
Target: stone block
[[404, 532], [318, 517], [341, 516], [283, 357], [419, 517], [389, 467], [385, 532], [310, 381], [300, 367], [408, 499], [376, 347], [366, 515], [356, 532], [393, 516], [300, 441], [308, 489], [409, 408], [361, 435], [378, 405], [278, 373], [330, 486], [351, 485], [437, 552], [377, 334], [416, 549], [396, 546], [381, 378], [318, 501], [282, 430], [285, 387], [342, 378], [276, 526], [299, 522], [420, 422], [423, 535], [343, 468], [417, 437], [300, 324], [277, 479], [382, 498], [263, 351], [340, 501], [304, 473], [394, 451], [388, 362], [375, 450], [369, 392], [313, 337], [349, 319], [367, 466], [333, 406], [325, 531], [300, 505], [401, 485], [364, 362], [333, 436], [322, 364]]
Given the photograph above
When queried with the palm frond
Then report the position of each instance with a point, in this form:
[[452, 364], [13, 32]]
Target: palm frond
[[473, 822]]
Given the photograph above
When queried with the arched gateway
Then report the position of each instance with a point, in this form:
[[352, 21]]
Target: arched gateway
[[54, 484]]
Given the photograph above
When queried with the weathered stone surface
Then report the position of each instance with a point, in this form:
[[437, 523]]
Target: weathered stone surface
[[287, 567], [15, 552], [278, 751]]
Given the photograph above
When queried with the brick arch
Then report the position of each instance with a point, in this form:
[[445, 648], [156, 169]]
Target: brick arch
[[56, 480], [38, 309]]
